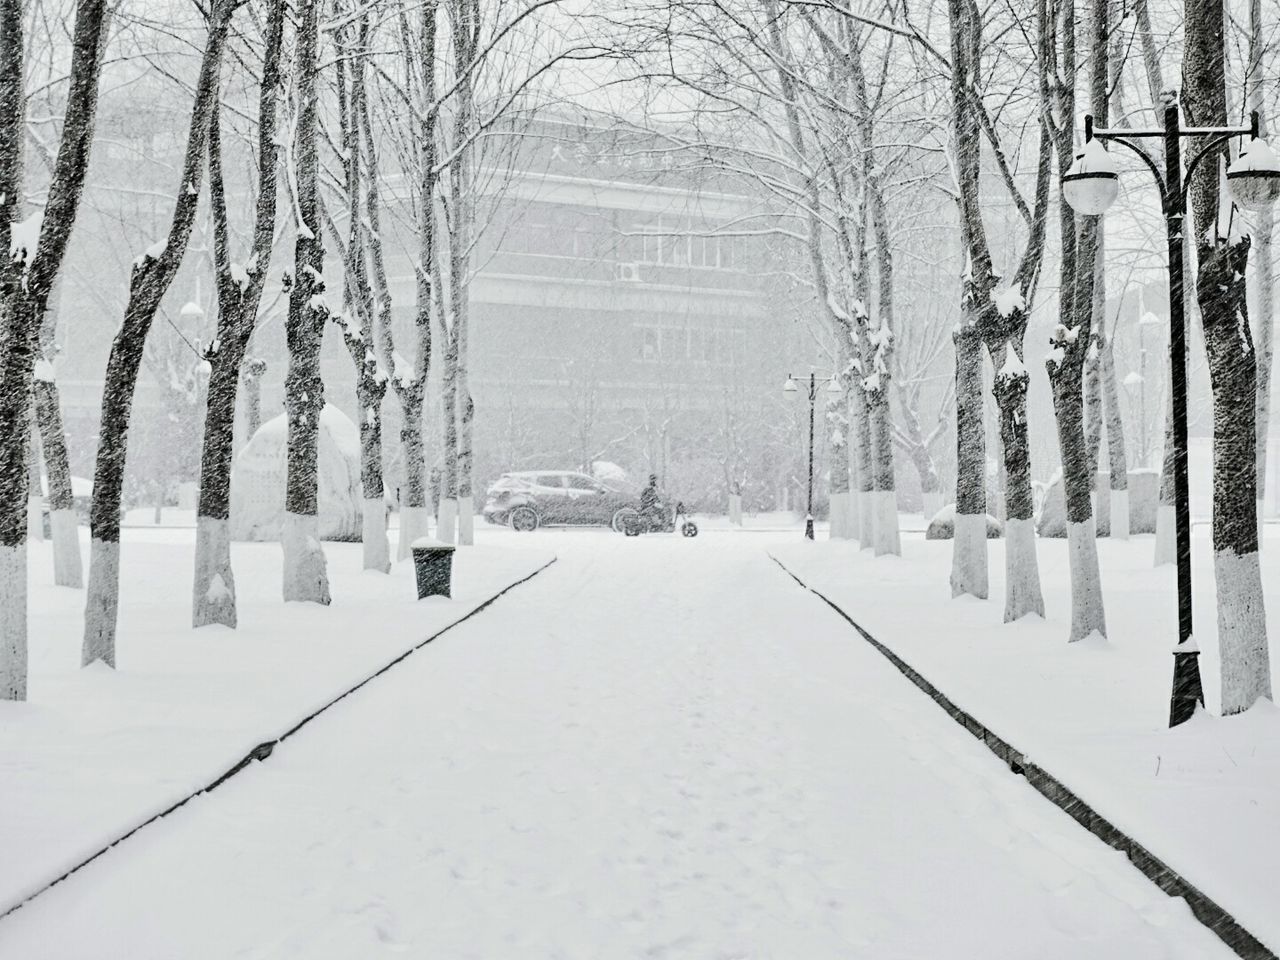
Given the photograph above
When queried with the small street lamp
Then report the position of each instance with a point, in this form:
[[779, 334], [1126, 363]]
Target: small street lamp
[[791, 390], [1090, 186]]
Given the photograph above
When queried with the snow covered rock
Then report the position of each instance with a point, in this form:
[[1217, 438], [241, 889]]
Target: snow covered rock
[[943, 525], [258, 480]]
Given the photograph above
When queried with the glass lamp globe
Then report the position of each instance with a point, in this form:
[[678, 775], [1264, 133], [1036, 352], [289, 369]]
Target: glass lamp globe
[[834, 387], [1091, 184], [789, 389], [1254, 176]]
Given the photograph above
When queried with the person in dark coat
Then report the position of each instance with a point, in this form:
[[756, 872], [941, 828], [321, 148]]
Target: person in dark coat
[[649, 502]]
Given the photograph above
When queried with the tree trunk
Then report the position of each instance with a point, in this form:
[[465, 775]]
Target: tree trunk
[[448, 518], [31, 254], [306, 577], [1118, 461], [1220, 288], [239, 290], [1072, 345], [1069, 346], [860, 467], [356, 321], [153, 272], [1022, 573], [251, 373], [1264, 269], [410, 385], [838, 458], [969, 546], [64, 524]]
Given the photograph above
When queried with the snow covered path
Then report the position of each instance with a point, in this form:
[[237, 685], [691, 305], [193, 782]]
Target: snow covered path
[[656, 748]]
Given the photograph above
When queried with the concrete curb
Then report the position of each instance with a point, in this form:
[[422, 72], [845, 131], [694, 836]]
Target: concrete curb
[[264, 750], [1207, 911]]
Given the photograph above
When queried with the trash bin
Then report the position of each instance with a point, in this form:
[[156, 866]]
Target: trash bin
[[433, 567]]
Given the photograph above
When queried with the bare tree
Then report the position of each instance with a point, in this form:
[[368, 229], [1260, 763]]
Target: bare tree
[[153, 272], [409, 379], [239, 291], [356, 321], [305, 571], [1071, 342], [1000, 321]]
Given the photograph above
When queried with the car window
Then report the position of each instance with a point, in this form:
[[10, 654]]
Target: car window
[[550, 480], [582, 483]]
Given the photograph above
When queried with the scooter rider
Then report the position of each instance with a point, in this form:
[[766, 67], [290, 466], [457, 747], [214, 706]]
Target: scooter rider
[[650, 505]]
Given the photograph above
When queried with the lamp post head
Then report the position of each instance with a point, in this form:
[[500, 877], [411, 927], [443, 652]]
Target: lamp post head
[[1149, 319], [1254, 176], [834, 387], [1091, 184], [790, 389]]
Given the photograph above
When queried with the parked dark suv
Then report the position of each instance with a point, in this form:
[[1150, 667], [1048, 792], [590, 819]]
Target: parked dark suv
[[529, 499]]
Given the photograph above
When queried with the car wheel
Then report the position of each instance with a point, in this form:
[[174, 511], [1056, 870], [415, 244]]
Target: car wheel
[[620, 518], [524, 519]]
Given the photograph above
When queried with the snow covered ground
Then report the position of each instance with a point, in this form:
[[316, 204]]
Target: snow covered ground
[[658, 747], [95, 752], [1204, 798]]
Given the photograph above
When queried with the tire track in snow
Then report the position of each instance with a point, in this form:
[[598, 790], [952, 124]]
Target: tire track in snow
[[264, 750], [1217, 919]]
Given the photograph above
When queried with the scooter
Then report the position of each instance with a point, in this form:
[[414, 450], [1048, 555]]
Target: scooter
[[660, 520]]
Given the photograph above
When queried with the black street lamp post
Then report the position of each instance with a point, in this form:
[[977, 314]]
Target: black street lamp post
[[791, 389], [1090, 187]]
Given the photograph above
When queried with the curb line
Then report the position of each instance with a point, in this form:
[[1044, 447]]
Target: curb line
[[1228, 929], [264, 750]]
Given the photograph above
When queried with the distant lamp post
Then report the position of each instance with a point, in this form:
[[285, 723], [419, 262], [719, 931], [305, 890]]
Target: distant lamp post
[[791, 390], [1090, 186]]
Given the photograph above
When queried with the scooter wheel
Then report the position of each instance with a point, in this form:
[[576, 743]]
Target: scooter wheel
[[689, 529]]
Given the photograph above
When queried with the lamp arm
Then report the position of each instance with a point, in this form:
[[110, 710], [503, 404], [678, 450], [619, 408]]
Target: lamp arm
[[1204, 152], [1145, 158]]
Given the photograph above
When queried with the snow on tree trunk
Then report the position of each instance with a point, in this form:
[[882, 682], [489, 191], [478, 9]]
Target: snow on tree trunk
[[152, 274], [63, 522], [239, 292], [305, 575], [1223, 252]]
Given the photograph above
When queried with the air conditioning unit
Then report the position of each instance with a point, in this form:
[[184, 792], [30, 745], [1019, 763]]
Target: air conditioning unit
[[629, 272]]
